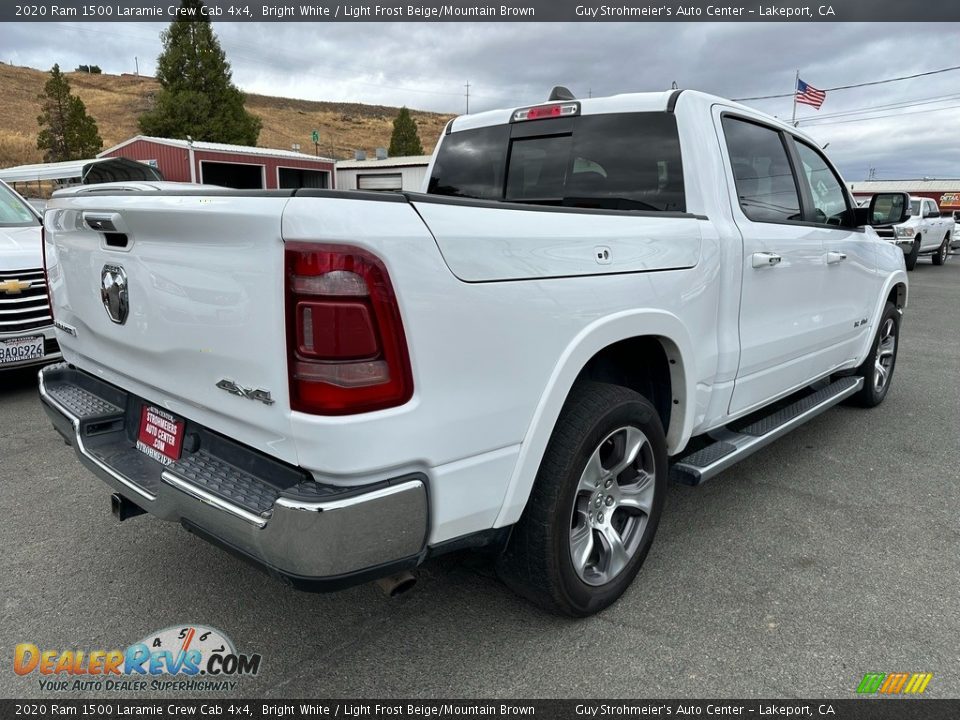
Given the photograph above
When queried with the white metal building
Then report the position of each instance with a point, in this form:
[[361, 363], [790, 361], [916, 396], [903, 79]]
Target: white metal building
[[397, 173], [946, 192]]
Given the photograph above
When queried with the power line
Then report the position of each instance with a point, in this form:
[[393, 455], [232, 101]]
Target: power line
[[889, 106], [887, 115], [856, 85]]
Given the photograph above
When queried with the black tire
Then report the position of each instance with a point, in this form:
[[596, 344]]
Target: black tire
[[911, 258], [940, 256], [537, 562], [871, 395]]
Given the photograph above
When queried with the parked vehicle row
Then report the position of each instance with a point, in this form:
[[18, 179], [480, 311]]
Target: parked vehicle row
[[927, 231]]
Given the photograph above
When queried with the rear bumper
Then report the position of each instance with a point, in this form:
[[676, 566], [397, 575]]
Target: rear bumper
[[313, 536]]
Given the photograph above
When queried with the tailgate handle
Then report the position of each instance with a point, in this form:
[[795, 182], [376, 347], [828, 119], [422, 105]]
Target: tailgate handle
[[109, 222], [111, 225]]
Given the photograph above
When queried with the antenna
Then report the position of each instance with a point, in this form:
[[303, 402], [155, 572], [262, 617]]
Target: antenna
[[467, 86], [559, 92]]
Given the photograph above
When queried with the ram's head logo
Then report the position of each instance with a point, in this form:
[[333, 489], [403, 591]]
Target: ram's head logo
[[114, 293]]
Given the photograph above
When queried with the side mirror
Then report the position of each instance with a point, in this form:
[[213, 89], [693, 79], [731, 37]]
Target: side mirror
[[888, 208]]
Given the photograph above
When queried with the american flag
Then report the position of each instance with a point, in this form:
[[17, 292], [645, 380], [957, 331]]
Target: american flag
[[809, 95]]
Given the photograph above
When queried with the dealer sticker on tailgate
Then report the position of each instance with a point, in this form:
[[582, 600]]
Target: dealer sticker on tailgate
[[161, 435]]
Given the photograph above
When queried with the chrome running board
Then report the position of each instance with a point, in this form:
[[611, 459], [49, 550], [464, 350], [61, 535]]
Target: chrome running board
[[731, 445]]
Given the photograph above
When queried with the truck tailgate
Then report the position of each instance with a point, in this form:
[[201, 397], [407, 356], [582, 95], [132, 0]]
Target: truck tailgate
[[205, 303]]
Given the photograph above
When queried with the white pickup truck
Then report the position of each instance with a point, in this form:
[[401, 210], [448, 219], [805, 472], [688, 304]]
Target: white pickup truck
[[26, 328], [926, 232], [591, 297]]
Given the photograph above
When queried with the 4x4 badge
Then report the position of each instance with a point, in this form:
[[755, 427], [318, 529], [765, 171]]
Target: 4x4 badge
[[250, 393]]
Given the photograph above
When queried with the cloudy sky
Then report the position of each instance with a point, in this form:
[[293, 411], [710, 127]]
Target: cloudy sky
[[903, 129]]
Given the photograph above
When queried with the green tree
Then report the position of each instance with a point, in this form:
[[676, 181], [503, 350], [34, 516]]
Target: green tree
[[405, 140], [197, 96], [66, 131]]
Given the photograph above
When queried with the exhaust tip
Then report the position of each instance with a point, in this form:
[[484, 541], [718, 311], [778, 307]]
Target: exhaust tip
[[123, 509], [398, 584]]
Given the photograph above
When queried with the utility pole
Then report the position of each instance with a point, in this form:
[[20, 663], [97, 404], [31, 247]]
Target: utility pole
[[136, 62], [590, 93], [467, 86]]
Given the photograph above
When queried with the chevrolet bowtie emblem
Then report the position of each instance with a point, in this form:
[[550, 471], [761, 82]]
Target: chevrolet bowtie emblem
[[14, 287]]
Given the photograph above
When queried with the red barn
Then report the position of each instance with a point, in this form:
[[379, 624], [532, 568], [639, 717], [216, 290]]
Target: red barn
[[235, 166]]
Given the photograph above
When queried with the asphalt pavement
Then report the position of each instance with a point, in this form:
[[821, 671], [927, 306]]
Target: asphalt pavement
[[834, 552]]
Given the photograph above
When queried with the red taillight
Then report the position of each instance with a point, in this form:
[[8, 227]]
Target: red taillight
[[346, 351]]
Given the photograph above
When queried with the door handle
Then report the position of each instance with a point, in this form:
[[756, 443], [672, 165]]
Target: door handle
[[765, 259], [833, 257]]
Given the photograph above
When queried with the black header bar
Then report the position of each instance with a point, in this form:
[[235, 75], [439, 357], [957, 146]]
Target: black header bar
[[898, 11]]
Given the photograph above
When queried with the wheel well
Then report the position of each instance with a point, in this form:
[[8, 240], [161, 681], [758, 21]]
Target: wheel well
[[641, 364], [898, 295]]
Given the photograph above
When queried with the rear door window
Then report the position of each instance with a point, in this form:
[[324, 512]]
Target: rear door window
[[766, 187], [618, 161]]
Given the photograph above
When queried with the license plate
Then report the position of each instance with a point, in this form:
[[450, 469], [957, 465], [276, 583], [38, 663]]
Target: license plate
[[20, 349], [161, 434]]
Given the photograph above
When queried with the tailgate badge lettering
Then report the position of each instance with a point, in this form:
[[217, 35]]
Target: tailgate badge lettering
[[114, 293], [250, 393]]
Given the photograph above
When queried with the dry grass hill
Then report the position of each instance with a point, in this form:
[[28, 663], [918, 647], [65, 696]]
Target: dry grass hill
[[117, 101]]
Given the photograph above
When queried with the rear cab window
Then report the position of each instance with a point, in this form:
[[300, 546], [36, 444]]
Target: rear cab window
[[617, 161]]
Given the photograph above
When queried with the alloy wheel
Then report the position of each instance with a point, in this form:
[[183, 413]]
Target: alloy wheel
[[612, 506], [886, 347]]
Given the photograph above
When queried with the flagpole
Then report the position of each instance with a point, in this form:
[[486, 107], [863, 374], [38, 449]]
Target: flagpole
[[796, 83]]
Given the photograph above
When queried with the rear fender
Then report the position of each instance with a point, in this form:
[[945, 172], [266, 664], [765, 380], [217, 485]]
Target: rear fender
[[896, 278], [677, 345]]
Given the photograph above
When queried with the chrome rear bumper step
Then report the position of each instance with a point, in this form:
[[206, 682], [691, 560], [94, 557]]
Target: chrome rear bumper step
[[310, 534], [735, 442]]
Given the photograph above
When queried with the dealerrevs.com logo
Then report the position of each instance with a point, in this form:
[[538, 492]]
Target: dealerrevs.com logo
[[182, 658]]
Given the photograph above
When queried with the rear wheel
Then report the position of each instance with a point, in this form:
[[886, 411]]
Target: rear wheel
[[595, 503], [877, 369], [940, 256], [911, 258]]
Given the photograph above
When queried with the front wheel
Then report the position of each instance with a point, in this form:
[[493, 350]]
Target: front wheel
[[595, 503], [877, 369], [911, 258], [940, 256]]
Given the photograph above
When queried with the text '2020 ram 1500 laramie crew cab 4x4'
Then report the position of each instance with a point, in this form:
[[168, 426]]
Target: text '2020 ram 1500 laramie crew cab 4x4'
[[590, 297]]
